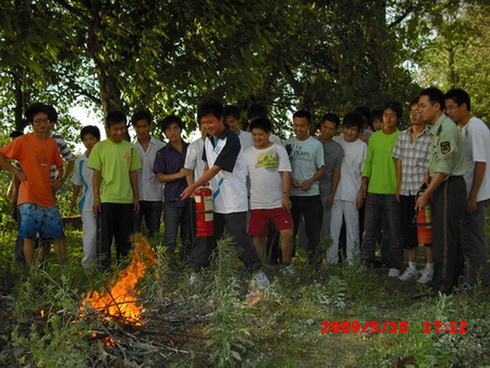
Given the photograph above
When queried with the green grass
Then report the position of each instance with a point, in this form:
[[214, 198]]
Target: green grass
[[212, 324]]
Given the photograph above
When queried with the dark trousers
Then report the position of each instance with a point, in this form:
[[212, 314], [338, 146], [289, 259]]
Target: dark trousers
[[273, 252], [377, 208], [408, 228], [474, 241], [236, 225], [151, 211], [175, 218], [116, 220], [448, 203], [312, 210]]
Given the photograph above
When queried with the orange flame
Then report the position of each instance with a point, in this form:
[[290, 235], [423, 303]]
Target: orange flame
[[120, 301]]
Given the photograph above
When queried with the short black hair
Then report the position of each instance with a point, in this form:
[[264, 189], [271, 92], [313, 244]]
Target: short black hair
[[415, 101], [395, 106], [460, 96], [366, 114], [257, 111], [231, 110], [141, 115], [90, 129], [303, 114], [261, 123], [52, 114], [164, 124], [15, 134], [334, 118], [376, 114], [209, 106], [35, 109], [353, 119], [115, 117], [435, 96]]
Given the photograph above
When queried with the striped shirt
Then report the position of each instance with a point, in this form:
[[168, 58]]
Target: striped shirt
[[65, 152], [415, 156]]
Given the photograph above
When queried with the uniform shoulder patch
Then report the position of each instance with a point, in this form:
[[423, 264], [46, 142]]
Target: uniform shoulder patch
[[445, 147]]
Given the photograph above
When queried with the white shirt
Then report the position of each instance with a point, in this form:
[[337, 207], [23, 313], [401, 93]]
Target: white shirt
[[245, 140], [275, 139], [264, 167], [82, 176], [476, 135], [351, 169], [150, 189], [229, 185], [193, 159]]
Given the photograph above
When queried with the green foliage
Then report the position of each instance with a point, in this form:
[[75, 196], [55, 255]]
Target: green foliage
[[231, 332], [455, 54], [282, 329], [324, 56]]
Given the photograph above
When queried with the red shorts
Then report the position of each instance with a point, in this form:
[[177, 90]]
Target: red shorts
[[260, 220]]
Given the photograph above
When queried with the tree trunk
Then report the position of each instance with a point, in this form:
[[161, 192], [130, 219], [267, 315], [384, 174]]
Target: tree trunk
[[20, 122]]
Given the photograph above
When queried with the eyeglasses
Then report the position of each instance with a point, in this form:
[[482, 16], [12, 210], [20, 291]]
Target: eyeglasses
[[41, 121], [415, 112]]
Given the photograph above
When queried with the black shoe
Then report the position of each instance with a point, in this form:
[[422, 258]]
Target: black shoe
[[365, 264]]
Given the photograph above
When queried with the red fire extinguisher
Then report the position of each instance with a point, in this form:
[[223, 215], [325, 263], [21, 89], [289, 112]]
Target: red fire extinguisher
[[424, 223], [204, 212]]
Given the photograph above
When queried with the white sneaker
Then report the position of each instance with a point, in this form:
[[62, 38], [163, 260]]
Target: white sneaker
[[394, 272], [409, 275], [261, 280], [426, 276], [193, 280]]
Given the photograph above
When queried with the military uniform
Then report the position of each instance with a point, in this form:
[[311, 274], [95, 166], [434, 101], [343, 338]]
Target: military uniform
[[448, 203]]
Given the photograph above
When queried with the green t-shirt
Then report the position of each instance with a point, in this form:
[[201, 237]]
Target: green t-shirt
[[380, 166], [115, 161]]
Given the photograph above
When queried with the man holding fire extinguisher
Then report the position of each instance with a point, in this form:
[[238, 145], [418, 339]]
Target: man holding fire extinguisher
[[447, 189], [226, 174]]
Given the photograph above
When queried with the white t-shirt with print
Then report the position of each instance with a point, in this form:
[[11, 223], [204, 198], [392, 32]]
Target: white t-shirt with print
[[264, 168]]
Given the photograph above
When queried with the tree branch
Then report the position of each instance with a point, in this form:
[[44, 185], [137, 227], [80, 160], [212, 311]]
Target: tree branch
[[83, 92], [402, 16]]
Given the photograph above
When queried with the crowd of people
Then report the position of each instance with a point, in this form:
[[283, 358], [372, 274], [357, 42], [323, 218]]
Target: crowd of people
[[360, 181]]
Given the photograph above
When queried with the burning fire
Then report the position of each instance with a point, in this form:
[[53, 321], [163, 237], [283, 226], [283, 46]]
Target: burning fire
[[120, 300]]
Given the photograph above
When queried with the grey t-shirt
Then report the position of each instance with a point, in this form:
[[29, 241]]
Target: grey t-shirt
[[333, 154]]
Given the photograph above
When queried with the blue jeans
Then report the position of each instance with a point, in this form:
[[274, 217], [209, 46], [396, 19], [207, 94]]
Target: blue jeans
[[151, 211], [382, 207], [175, 217]]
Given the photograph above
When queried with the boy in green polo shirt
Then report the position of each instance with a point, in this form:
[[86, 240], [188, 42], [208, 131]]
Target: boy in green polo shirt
[[115, 181]]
